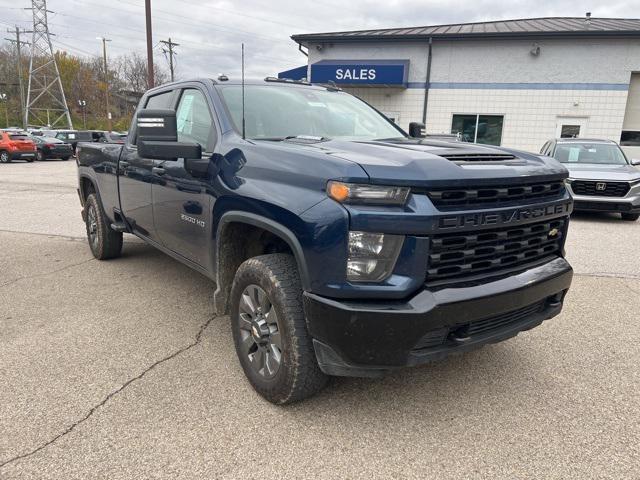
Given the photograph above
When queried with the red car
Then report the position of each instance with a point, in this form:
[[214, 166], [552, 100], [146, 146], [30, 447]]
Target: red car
[[16, 146]]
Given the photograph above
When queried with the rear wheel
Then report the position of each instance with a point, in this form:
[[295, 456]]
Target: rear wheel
[[40, 156], [5, 157], [630, 217], [104, 242], [65, 158], [270, 332]]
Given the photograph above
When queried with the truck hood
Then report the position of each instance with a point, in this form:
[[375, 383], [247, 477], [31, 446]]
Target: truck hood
[[588, 171], [430, 163]]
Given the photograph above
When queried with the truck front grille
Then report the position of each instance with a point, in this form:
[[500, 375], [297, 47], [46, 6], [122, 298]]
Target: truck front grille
[[457, 256], [600, 189], [486, 197]]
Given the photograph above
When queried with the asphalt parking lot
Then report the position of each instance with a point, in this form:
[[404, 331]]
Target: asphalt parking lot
[[119, 369]]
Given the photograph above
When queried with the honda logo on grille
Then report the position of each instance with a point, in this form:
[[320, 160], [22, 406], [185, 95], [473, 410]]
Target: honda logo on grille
[[601, 186]]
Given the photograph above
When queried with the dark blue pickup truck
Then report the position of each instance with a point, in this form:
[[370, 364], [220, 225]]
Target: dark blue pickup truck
[[338, 244]]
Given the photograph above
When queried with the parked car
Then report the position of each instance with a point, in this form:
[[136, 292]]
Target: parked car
[[112, 137], [38, 132], [72, 137], [52, 148], [338, 244], [16, 146], [601, 178]]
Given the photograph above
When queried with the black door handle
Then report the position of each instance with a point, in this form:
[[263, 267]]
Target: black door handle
[[158, 170]]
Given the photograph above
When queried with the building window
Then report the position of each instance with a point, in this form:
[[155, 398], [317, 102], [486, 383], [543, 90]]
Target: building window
[[570, 131], [630, 139], [485, 129]]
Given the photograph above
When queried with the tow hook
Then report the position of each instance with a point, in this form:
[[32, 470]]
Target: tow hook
[[460, 335]]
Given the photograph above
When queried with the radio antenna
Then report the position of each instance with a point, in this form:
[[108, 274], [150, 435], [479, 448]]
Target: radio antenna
[[244, 133]]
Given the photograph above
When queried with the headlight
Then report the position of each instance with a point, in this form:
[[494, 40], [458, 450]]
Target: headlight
[[367, 194], [372, 256]]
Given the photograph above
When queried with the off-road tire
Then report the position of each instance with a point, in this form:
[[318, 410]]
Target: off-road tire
[[630, 217], [5, 157], [107, 243], [298, 376]]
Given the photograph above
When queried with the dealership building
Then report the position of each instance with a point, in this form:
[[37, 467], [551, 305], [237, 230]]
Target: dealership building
[[515, 83]]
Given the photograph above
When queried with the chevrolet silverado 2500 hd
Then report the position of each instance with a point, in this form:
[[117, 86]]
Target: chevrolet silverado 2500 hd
[[338, 244]]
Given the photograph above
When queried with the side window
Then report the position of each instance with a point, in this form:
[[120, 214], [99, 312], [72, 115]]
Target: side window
[[162, 100], [194, 120], [544, 148]]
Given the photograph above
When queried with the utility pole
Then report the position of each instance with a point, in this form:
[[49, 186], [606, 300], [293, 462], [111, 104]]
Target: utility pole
[[171, 53], [106, 79], [44, 92], [19, 44], [147, 12]]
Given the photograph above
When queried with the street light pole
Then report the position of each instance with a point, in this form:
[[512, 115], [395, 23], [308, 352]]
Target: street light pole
[[147, 12], [106, 79], [5, 100], [83, 106]]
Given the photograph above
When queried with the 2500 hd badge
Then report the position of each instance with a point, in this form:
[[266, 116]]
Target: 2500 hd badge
[[502, 218]]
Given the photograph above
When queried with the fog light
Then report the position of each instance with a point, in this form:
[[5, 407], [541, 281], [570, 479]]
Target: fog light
[[372, 256]]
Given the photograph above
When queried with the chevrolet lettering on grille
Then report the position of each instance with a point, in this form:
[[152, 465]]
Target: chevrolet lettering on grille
[[502, 218]]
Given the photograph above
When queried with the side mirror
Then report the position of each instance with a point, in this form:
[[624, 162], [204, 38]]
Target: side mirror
[[158, 137], [635, 161], [416, 129]]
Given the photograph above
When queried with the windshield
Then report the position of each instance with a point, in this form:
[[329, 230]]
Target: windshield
[[19, 137], [598, 153], [278, 112]]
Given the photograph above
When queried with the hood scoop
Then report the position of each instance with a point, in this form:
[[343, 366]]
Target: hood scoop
[[478, 157]]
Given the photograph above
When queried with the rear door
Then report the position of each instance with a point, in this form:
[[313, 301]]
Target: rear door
[[181, 201], [135, 177]]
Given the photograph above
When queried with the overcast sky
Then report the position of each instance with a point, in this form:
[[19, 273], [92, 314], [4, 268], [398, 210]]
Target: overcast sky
[[210, 31]]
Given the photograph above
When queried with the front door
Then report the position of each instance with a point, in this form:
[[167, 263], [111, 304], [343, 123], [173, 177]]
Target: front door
[[181, 201], [570, 127], [134, 181], [136, 175]]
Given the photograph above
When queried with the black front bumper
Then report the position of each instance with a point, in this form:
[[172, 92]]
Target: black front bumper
[[615, 207], [353, 338]]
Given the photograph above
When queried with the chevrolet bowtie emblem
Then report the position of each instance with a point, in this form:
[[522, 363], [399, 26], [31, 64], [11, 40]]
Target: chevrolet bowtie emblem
[[553, 232]]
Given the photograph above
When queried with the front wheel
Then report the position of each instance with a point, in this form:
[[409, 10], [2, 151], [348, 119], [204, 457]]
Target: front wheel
[[270, 332], [65, 158], [104, 242], [630, 217], [40, 156], [5, 157]]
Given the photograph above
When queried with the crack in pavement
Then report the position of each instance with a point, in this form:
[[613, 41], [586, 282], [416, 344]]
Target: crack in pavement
[[93, 409], [628, 276], [15, 280]]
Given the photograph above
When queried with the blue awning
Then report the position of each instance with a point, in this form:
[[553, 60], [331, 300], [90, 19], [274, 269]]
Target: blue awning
[[297, 73]]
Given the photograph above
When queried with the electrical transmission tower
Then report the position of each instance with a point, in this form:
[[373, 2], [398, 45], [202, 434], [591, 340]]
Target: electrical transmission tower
[[46, 103]]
